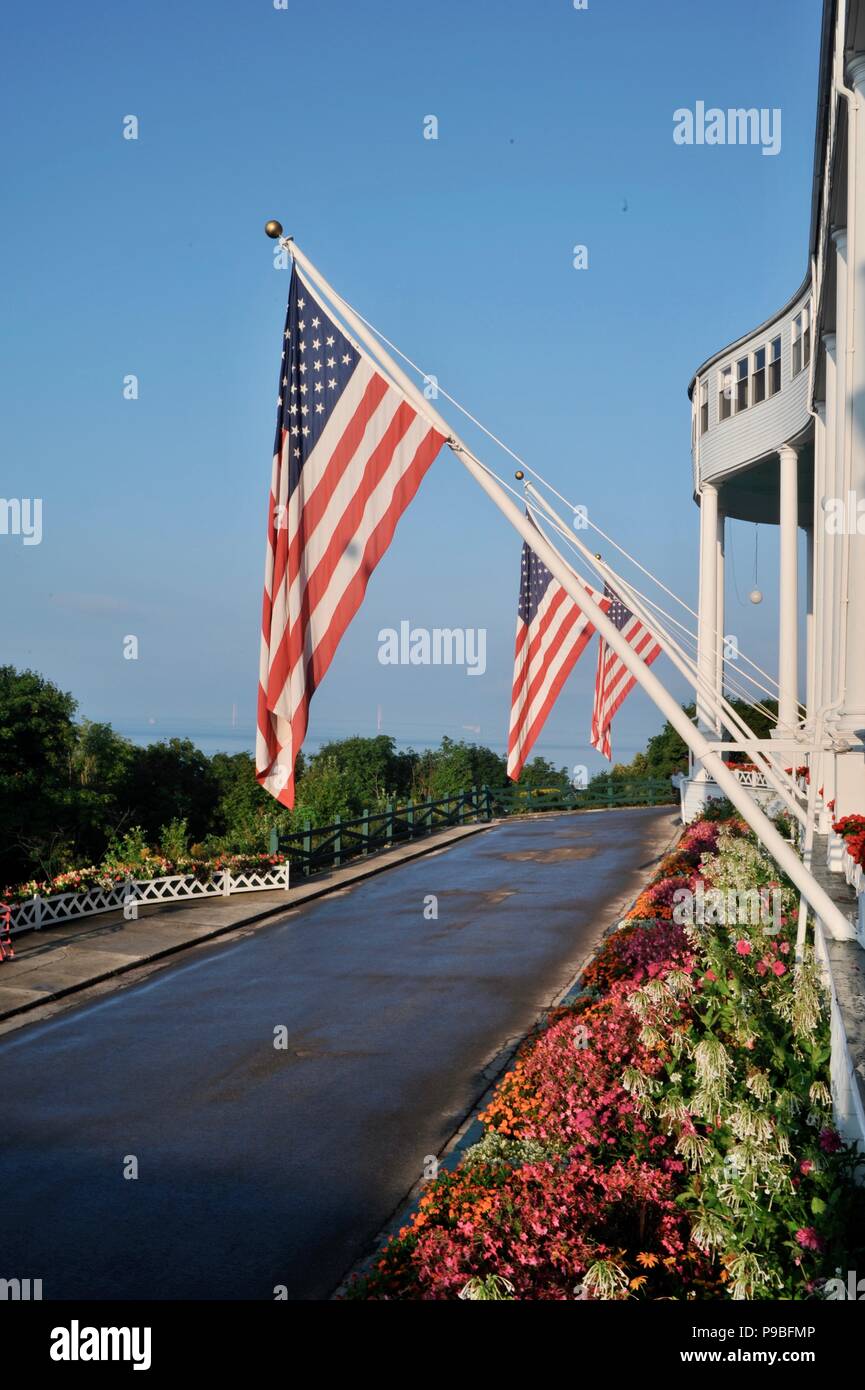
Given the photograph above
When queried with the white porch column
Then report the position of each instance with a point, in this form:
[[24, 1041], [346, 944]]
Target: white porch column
[[810, 580], [838, 489], [707, 647], [788, 631], [818, 600], [827, 621], [828, 690], [719, 621], [815, 648]]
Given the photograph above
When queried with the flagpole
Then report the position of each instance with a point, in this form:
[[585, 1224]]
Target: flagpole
[[781, 850], [670, 649]]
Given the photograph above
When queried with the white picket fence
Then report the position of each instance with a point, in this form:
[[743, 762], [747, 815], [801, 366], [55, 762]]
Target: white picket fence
[[37, 912]]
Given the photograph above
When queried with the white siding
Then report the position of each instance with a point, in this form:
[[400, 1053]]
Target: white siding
[[730, 444]]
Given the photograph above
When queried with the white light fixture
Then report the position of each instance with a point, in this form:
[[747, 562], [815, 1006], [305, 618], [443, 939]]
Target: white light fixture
[[755, 596]]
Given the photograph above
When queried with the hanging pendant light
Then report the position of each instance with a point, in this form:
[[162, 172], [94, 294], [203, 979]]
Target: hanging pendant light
[[756, 595]]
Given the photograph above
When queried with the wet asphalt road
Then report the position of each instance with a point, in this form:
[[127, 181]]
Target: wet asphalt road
[[260, 1167]]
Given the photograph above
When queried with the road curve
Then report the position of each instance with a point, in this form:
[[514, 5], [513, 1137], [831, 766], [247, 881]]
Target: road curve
[[260, 1166]]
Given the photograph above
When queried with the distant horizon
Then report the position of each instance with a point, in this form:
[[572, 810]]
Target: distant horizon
[[212, 736]]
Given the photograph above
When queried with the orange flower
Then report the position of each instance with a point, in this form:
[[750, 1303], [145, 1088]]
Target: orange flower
[[648, 1261]]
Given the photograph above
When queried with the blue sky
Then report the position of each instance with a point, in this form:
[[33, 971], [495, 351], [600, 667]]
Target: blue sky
[[147, 257]]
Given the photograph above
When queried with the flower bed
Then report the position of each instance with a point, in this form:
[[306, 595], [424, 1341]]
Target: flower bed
[[151, 867], [84, 892], [669, 1135], [852, 831]]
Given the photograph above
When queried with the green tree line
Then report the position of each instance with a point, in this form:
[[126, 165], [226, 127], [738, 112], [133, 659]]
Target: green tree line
[[72, 790]]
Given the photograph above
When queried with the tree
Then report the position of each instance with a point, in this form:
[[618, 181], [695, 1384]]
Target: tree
[[99, 762], [171, 780], [325, 792], [541, 773], [37, 735], [456, 767], [370, 769]]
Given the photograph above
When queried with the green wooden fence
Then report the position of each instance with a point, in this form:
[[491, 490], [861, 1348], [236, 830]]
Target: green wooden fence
[[314, 848]]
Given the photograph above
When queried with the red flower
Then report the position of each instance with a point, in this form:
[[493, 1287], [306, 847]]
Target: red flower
[[830, 1140], [743, 947], [779, 968], [809, 1239]]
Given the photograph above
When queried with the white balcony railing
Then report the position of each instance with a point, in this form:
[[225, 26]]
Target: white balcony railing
[[750, 777]]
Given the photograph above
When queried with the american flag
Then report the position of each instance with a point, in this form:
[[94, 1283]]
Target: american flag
[[552, 633], [614, 681], [349, 455]]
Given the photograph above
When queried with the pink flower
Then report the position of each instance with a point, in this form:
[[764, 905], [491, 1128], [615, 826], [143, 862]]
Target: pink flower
[[743, 948], [761, 967], [809, 1239], [784, 948], [806, 1166], [779, 968], [830, 1140]]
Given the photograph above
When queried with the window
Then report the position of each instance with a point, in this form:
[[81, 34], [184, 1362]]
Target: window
[[796, 345], [774, 366], [725, 393], [704, 406], [758, 378], [806, 334], [742, 384]]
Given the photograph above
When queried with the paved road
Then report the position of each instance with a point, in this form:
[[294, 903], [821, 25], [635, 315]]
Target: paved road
[[260, 1166]]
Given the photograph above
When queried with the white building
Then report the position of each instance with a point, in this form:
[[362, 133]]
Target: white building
[[778, 437]]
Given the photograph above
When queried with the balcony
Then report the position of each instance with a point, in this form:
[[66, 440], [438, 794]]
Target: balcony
[[747, 401]]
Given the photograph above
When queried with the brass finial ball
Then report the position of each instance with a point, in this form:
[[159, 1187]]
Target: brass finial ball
[[519, 475], [273, 230]]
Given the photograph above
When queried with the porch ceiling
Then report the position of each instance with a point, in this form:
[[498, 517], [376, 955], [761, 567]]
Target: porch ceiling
[[752, 494]]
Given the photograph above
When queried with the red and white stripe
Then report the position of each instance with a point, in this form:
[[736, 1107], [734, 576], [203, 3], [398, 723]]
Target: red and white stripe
[[323, 544], [614, 682], [546, 651]]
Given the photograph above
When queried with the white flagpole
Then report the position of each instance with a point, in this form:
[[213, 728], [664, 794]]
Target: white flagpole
[[780, 849], [671, 649]]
